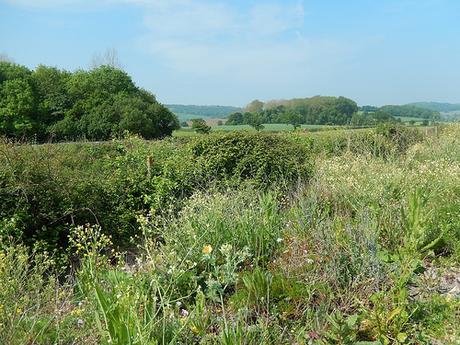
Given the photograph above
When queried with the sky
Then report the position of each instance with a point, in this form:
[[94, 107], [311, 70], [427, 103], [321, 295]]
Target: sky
[[229, 52]]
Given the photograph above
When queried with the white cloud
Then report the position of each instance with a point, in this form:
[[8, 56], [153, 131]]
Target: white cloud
[[259, 44]]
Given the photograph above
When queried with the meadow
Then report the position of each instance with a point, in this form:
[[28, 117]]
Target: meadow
[[332, 237], [269, 127]]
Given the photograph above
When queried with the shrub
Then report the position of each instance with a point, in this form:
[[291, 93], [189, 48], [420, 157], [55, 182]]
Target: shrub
[[400, 136], [48, 187], [260, 158]]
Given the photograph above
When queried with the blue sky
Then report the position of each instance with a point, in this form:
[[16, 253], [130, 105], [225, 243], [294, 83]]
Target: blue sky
[[230, 52]]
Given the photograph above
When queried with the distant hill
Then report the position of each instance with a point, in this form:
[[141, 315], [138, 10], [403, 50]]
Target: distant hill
[[187, 112], [437, 106]]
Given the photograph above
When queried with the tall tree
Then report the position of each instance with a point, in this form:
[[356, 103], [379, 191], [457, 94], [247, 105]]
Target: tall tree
[[255, 106], [17, 104]]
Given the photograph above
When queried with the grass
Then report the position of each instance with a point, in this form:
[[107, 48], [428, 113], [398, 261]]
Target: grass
[[188, 132], [330, 260]]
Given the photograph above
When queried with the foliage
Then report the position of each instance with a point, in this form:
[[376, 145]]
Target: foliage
[[46, 188], [264, 159], [411, 111], [437, 106], [97, 104], [333, 259], [371, 118], [316, 110], [200, 126]]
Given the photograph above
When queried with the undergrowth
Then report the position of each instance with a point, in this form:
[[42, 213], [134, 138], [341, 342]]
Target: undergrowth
[[330, 259]]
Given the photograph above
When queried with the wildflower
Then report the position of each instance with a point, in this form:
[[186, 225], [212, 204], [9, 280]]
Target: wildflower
[[313, 335], [226, 249], [279, 240], [207, 249], [194, 329], [80, 323], [184, 313]]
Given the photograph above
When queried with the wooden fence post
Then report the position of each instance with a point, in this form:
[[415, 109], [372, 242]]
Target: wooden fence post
[[149, 166]]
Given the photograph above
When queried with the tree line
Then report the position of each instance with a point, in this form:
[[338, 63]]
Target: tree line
[[317, 110], [212, 111], [320, 110], [97, 104]]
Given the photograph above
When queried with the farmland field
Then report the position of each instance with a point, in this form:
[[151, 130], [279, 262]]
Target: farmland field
[[267, 128]]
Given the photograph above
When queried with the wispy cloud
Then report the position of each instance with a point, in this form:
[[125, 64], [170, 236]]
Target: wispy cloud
[[258, 44], [217, 40]]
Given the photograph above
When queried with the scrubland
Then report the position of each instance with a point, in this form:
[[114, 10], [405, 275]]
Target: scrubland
[[340, 237]]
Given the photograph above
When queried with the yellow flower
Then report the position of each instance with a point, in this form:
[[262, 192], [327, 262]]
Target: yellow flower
[[207, 249]]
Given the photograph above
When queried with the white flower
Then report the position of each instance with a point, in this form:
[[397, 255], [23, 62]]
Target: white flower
[[226, 249]]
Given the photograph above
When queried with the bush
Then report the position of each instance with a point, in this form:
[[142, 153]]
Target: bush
[[398, 135], [262, 159], [46, 188], [387, 140]]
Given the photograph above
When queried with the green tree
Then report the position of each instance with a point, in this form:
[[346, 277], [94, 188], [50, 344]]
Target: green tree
[[294, 118], [107, 103], [255, 106], [235, 119], [53, 101], [17, 104], [9, 71], [200, 126], [256, 121]]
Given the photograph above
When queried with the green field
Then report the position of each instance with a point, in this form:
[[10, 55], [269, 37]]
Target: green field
[[417, 120], [272, 127], [184, 132]]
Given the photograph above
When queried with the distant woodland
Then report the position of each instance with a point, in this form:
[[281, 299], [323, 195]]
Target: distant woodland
[[320, 110]]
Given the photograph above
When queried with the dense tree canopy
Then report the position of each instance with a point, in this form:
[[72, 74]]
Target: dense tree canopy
[[411, 111], [320, 110], [372, 118], [97, 104], [200, 126], [437, 106], [316, 110]]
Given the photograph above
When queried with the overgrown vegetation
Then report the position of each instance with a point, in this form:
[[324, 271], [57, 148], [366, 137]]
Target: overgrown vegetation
[[324, 238]]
